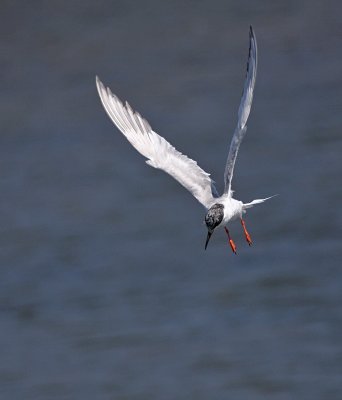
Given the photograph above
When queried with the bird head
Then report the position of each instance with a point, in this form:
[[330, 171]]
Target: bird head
[[213, 219]]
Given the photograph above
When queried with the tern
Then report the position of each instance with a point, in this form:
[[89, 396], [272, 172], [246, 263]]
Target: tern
[[220, 210]]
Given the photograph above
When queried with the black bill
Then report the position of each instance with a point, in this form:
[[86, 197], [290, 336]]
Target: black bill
[[207, 241]]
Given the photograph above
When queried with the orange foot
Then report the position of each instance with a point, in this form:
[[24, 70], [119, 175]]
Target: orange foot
[[248, 238], [230, 241]]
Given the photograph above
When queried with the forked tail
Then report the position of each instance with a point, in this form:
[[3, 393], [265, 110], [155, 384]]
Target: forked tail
[[257, 201]]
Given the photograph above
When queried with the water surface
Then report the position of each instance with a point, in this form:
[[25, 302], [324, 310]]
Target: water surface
[[105, 289]]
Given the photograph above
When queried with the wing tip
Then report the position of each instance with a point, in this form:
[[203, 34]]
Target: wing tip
[[99, 84], [251, 32], [253, 43]]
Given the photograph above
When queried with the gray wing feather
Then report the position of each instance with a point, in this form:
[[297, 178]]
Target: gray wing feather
[[160, 153], [244, 110]]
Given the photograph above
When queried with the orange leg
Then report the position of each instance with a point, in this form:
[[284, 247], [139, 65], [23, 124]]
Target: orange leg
[[248, 238], [231, 242]]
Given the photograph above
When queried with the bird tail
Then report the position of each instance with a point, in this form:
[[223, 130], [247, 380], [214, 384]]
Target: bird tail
[[254, 202]]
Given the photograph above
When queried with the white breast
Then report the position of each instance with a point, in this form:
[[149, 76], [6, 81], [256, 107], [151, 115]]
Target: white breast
[[232, 210]]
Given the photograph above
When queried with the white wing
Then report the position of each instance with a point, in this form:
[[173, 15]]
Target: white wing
[[160, 153], [244, 110]]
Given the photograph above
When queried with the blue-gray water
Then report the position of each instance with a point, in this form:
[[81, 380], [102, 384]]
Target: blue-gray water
[[105, 289]]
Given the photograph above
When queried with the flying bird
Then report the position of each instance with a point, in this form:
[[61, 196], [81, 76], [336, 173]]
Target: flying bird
[[220, 210]]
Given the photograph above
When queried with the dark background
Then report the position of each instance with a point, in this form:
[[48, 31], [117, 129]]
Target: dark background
[[105, 289]]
